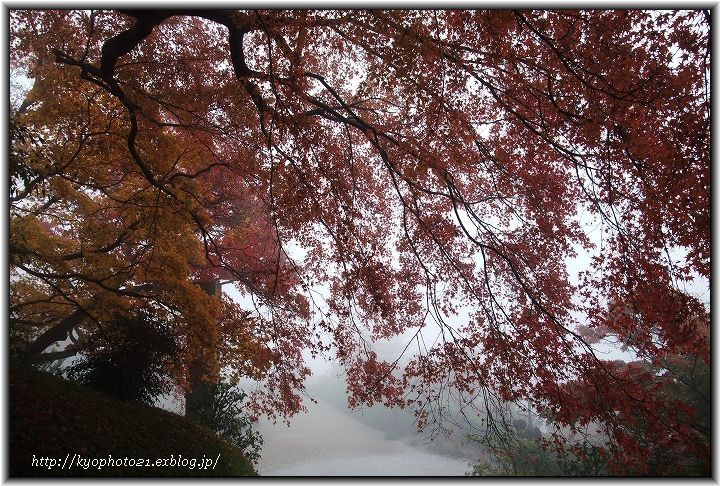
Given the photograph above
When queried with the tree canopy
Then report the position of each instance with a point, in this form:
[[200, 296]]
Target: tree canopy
[[363, 175]]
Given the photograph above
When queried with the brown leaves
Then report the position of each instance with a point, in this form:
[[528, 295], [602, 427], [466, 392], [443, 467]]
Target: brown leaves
[[423, 163]]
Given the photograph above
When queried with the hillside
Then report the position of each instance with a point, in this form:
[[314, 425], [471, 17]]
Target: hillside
[[53, 422]]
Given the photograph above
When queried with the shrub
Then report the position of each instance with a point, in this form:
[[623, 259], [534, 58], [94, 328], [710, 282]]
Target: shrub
[[224, 414], [129, 358]]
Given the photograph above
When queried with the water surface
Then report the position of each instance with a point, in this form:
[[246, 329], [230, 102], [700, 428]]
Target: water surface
[[327, 442]]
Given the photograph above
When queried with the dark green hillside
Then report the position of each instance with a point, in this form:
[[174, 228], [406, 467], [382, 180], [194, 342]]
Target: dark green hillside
[[54, 419]]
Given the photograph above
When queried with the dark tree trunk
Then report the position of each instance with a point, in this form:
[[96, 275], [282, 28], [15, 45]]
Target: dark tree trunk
[[201, 377], [58, 332]]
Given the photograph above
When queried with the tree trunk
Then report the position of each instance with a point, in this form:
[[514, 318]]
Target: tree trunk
[[58, 332], [201, 377]]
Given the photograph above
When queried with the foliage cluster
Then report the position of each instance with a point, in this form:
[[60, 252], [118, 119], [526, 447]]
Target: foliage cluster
[[129, 359], [362, 175], [227, 417], [523, 453]]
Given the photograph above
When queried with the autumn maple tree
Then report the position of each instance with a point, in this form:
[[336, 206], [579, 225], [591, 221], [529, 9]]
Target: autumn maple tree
[[427, 176]]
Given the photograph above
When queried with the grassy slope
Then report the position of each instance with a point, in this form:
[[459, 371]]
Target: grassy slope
[[50, 417]]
